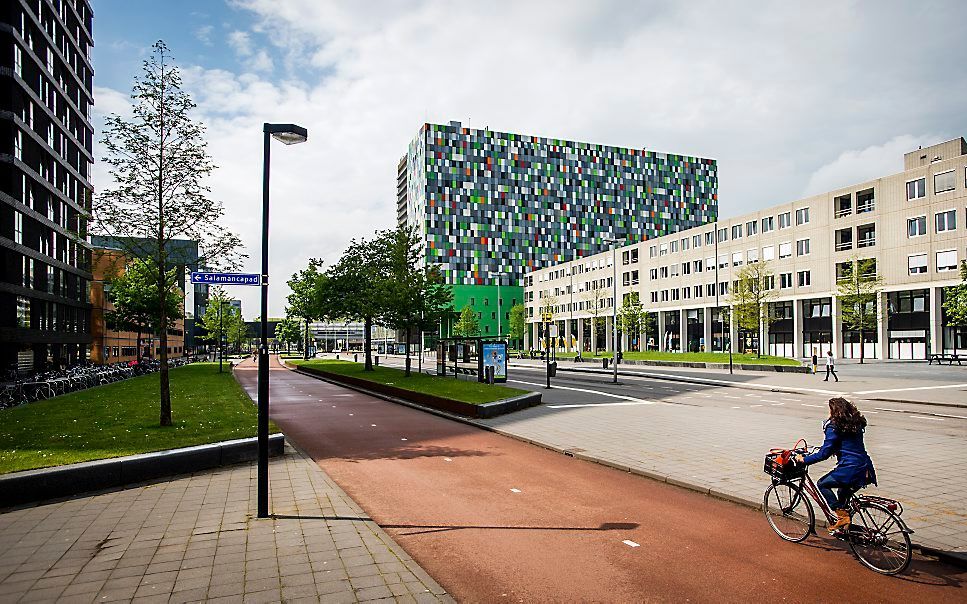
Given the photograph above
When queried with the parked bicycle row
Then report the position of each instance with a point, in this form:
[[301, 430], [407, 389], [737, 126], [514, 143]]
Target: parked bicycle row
[[49, 384]]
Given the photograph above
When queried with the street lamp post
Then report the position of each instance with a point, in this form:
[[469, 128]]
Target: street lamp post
[[288, 134], [614, 303], [499, 308]]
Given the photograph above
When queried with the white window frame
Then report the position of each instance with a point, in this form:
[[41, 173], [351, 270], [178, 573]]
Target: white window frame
[[935, 191], [788, 216], [950, 268], [937, 214], [926, 263], [807, 282], [808, 247], [804, 212], [906, 190], [752, 255], [912, 218], [752, 228], [789, 255], [770, 254]]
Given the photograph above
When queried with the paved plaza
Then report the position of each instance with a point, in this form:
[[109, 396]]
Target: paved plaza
[[196, 538]]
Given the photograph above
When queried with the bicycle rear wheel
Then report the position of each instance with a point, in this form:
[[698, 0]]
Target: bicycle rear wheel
[[788, 511], [879, 539]]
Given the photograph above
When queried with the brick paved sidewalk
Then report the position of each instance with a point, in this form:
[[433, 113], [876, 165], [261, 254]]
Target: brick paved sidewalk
[[195, 538]]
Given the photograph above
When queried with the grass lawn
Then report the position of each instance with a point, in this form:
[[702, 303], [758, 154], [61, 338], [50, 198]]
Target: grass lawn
[[122, 419], [446, 387], [704, 357]]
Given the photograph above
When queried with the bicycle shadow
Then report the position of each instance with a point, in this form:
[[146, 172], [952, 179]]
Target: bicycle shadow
[[922, 571]]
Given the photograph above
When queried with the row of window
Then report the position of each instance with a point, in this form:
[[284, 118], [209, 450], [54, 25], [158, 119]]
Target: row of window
[[946, 261], [942, 183], [749, 229], [786, 281], [50, 316], [943, 222]]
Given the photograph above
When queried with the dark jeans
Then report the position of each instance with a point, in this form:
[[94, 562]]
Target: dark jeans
[[830, 369], [826, 485]]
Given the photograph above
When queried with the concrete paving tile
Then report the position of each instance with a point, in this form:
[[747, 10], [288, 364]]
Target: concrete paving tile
[[262, 597]]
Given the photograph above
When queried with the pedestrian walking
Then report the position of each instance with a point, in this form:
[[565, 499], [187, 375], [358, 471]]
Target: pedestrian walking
[[815, 361], [830, 366]]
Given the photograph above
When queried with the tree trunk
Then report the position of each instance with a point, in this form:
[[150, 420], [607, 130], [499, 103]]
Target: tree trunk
[[162, 264], [137, 354], [862, 347], [305, 354], [406, 372], [163, 341], [367, 341]]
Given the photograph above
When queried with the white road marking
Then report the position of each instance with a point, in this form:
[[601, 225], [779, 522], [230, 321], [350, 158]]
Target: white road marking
[[736, 407], [515, 490], [886, 409], [755, 405], [373, 425], [791, 400], [402, 439], [777, 404], [936, 419], [754, 394], [953, 416], [630, 543], [447, 459], [808, 405], [350, 415], [909, 389], [624, 404], [729, 396], [588, 391]]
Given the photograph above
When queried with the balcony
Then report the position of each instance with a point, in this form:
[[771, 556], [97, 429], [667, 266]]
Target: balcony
[[842, 206], [844, 240], [866, 235], [865, 201]]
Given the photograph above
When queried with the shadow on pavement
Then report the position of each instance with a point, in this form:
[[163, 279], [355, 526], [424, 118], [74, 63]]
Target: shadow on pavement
[[440, 528]]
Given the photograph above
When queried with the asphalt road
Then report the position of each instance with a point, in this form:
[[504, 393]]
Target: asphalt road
[[495, 519]]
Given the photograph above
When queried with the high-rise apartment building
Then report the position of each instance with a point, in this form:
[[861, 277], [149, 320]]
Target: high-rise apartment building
[[496, 205], [46, 156]]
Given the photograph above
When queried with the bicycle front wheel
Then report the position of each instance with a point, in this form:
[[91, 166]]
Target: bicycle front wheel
[[788, 511], [879, 539]]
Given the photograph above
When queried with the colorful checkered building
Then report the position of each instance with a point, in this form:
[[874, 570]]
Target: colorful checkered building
[[489, 202]]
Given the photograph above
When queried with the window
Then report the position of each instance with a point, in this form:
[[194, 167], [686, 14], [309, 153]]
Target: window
[[664, 295], [737, 231], [785, 280], [946, 221], [916, 189], [802, 247], [697, 290], [865, 201], [18, 145], [696, 241], [916, 226], [724, 288], [710, 238], [768, 224], [709, 289], [673, 247], [917, 264], [947, 261], [625, 279], [687, 293], [625, 258], [634, 278], [697, 265], [843, 206], [653, 274], [723, 260], [18, 227], [751, 228], [675, 294], [737, 259], [654, 296], [684, 244], [686, 268], [723, 235], [710, 263], [17, 61], [769, 282], [663, 249], [752, 255], [23, 312], [785, 250], [802, 278], [945, 181], [652, 251], [769, 253], [802, 216], [785, 220]]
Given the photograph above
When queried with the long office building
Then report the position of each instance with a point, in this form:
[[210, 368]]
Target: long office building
[[910, 224], [46, 141], [491, 206]]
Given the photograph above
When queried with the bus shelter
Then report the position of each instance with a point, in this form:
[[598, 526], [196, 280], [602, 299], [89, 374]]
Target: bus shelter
[[472, 356]]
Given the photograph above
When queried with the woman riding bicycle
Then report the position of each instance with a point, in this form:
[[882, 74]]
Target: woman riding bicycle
[[854, 468]]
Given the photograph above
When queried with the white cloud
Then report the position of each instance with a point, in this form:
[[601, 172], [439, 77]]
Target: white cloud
[[857, 165], [776, 93], [204, 34]]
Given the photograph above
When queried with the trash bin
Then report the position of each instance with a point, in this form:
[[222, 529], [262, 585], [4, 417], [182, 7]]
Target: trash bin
[[604, 362], [376, 360], [355, 358], [552, 368]]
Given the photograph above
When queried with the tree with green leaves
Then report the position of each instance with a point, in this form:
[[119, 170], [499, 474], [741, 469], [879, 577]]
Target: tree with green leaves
[[593, 298], [468, 325], [132, 292], [215, 321], [303, 301], [159, 163], [518, 323], [630, 315], [354, 289], [858, 288], [237, 331], [414, 295], [649, 325], [288, 332], [955, 303], [750, 299]]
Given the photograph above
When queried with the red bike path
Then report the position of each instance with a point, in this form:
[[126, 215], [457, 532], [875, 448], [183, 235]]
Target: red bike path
[[495, 519]]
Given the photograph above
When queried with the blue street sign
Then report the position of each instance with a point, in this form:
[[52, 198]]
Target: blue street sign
[[226, 279]]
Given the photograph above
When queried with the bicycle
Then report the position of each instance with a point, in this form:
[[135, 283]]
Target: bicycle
[[877, 535]]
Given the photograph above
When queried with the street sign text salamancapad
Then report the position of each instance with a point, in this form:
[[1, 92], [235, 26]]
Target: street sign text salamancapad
[[226, 279]]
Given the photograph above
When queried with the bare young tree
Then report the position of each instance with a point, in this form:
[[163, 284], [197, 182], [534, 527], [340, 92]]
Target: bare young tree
[[159, 161], [750, 299], [593, 298]]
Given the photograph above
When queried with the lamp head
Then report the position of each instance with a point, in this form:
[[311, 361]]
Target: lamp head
[[288, 134]]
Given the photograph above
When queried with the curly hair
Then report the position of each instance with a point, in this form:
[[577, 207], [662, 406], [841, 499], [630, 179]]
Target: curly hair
[[845, 416]]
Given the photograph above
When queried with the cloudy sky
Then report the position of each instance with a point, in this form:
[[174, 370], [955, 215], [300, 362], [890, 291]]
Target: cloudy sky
[[791, 98]]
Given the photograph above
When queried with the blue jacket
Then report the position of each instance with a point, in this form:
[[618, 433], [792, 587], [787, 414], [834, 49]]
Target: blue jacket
[[854, 466]]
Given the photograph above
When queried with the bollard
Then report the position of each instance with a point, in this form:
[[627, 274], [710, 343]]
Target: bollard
[[355, 358], [376, 360], [604, 362]]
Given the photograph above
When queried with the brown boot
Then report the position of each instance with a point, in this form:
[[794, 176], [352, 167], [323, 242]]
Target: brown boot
[[842, 521]]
